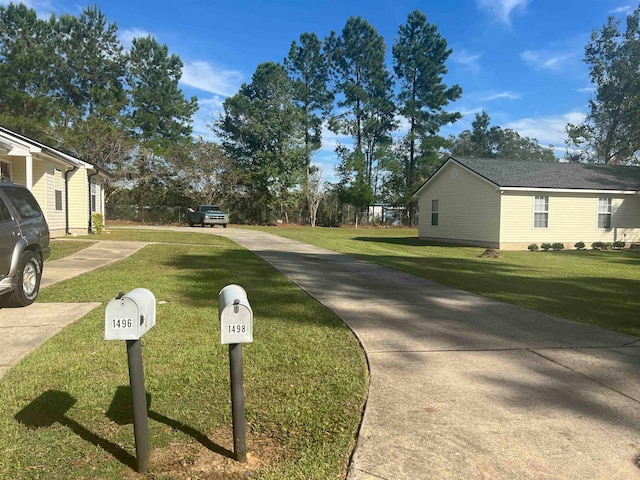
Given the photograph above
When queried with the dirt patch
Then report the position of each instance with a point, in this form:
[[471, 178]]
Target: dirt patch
[[190, 460], [491, 253]]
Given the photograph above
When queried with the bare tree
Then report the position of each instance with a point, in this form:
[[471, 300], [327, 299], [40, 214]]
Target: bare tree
[[315, 192]]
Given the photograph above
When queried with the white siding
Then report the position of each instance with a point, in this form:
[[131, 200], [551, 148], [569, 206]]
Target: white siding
[[78, 201], [55, 218], [468, 208], [626, 219], [573, 217]]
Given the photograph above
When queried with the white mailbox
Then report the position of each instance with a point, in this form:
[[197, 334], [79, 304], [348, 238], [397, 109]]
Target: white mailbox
[[130, 315], [236, 316]]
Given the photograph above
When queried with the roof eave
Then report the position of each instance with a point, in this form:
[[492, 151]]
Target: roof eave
[[571, 190]]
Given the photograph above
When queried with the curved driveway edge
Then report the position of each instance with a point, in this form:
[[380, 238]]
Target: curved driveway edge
[[470, 388]]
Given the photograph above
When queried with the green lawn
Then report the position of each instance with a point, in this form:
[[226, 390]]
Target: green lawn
[[62, 248], [595, 287], [65, 410]]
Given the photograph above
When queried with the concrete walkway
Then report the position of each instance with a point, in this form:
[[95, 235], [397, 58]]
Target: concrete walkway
[[470, 388], [23, 329]]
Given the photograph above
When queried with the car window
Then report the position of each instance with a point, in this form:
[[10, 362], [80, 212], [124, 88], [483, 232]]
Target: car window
[[5, 215], [25, 204]]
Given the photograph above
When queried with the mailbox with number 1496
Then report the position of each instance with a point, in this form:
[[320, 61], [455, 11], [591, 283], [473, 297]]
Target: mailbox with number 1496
[[130, 315]]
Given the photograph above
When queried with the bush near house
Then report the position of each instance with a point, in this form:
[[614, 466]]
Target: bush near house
[[601, 245], [533, 247], [545, 246], [557, 246], [97, 223], [617, 245], [579, 245]]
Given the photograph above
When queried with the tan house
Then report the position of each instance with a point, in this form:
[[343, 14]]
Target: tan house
[[511, 204], [69, 190]]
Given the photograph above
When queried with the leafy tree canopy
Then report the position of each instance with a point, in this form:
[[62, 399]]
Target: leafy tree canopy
[[484, 141]]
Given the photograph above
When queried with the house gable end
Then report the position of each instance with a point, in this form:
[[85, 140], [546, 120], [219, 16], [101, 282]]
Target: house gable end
[[442, 168]]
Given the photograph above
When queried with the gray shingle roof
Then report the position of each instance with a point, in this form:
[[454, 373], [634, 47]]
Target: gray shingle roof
[[511, 173]]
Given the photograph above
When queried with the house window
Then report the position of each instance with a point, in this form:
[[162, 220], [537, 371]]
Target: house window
[[94, 197], [541, 212], [604, 212], [58, 184], [435, 205]]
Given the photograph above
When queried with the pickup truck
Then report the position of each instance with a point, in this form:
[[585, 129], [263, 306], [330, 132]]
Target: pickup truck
[[207, 215]]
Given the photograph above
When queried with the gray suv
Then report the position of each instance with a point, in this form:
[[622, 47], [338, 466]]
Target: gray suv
[[24, 245]]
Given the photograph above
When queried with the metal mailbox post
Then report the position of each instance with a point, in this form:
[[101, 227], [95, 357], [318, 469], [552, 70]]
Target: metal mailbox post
[[236, 328], [128, 317]]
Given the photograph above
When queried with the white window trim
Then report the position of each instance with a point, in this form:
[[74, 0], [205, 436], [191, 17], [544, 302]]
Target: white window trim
[[437, 211], [598, 213], [533, 217], [58, 175]]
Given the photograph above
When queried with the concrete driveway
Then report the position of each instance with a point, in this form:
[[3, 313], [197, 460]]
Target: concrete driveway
[[470, 388]]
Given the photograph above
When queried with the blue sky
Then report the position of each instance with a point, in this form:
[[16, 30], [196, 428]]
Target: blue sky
[[520, 60]]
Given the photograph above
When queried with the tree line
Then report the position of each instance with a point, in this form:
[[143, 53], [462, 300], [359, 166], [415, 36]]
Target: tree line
[[68, 81]]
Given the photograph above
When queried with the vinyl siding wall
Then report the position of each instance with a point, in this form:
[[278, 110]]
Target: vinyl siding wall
[[78, 201], [572, 218], [55, 218], [18, 171], [468, 209]]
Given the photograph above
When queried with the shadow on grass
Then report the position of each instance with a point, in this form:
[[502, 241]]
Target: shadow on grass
[[121, 412], [204, 274], [51, 407], [409, 241]]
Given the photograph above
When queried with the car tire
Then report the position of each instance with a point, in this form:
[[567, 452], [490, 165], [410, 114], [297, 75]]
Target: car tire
[[191, 224], [224, 225], [27, 283]]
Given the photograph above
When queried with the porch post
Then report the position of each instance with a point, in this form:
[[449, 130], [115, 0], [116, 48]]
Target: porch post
[[28, 172]]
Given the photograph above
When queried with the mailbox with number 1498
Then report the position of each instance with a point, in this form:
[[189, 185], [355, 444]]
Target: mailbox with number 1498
[[236, 316]]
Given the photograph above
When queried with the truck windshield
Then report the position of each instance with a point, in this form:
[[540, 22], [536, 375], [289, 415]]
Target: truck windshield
[[209, 208]]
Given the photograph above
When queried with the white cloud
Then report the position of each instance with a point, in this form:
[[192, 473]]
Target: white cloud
[[203, 76], [208, 111], [330, 140], [587, 90], [506, 95], [127, 36], [502, 9], [547, 130], [466, 59], [625, 9], [546, 59], [43, 8]]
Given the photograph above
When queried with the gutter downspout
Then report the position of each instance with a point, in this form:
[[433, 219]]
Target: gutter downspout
[[66, 198], [91, 175]]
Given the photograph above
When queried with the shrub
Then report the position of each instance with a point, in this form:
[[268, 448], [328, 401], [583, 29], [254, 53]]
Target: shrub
[[533, 247], [545, 246], [579, 246], [557, 246], [618, 244], [97, 223], [596, 245]]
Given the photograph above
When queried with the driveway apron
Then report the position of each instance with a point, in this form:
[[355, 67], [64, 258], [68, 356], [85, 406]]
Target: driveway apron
[[466, 387], [24, 329]]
